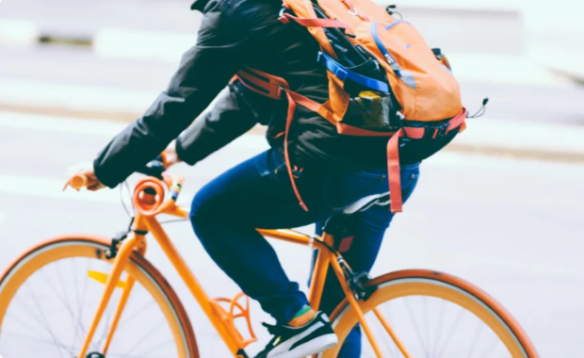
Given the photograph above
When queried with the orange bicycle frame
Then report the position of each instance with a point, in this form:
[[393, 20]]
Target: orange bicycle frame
[[145, 221]]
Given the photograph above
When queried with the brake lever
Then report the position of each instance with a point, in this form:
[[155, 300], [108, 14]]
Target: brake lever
[[154, 168]]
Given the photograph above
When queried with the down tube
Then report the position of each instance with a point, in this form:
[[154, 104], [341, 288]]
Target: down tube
[[191, 282]]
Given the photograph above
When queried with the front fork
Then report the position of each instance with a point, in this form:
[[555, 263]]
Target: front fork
[[133, 242]]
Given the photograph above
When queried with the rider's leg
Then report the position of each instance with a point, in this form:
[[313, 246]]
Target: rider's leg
[[368, 228], [258, 194]]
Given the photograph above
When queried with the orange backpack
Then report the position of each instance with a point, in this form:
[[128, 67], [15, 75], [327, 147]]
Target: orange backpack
[[380, 66]]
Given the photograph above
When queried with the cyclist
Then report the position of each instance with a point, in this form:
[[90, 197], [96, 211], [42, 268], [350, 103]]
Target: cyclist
[[331, 171]]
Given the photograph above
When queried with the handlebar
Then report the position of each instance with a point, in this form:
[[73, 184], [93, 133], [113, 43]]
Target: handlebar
[[149, 193], [79, 181]]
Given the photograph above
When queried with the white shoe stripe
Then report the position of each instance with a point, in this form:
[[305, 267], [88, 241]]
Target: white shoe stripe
[[314, 346], [285, 347]]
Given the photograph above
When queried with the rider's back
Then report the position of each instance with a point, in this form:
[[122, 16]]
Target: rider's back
[[290, 52]]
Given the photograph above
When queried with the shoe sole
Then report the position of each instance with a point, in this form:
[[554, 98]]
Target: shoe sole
[[315, 346]]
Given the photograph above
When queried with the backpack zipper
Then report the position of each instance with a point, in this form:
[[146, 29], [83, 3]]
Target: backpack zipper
[[388, 57]]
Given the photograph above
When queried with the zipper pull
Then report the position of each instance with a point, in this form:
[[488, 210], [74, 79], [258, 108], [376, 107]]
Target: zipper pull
[[482, 110]]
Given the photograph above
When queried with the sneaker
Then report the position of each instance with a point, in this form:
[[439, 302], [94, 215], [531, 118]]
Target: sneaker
[[290, 342]]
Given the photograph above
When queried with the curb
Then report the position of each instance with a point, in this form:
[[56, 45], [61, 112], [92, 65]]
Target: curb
[[18, 33], [109, 43]]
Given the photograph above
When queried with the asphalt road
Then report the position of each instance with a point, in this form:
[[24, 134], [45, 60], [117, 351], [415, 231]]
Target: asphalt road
[[514, 228]]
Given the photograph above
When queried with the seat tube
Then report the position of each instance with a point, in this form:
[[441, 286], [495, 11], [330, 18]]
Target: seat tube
[[319, 273]]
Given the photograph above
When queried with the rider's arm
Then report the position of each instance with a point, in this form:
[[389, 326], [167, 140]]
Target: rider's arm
[[230, 118], [204, 71]]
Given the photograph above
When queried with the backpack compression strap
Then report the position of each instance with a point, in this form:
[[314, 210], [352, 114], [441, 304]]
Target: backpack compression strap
[[273, 86]]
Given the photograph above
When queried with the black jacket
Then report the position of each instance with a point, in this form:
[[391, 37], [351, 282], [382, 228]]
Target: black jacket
[[236, 34]]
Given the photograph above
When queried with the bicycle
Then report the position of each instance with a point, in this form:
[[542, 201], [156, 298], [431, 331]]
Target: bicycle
[[382, 306]]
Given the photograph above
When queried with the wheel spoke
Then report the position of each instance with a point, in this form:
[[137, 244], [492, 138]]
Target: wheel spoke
[[475, 339], [415, 323], [136, 313], [78, 325], [489, 347], [455, 324], [25, 323], [154, 348], [77, 301], [48, 342], [47, 326], [426, 327], [143, 338]]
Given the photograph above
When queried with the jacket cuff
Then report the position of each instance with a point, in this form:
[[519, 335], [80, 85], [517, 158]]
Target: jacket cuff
[[102, 177], [182, 153]]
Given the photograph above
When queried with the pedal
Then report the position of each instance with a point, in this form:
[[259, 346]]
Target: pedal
[[102, 278], [229, 315]]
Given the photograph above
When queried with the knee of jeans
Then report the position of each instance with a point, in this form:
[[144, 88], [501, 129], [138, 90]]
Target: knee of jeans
[[201, 214]]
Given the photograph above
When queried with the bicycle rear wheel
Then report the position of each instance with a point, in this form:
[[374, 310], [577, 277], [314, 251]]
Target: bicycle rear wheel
[[48, 298], [432, 315]]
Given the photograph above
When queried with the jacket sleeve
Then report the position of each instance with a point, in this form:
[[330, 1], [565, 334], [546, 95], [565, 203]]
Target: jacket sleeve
[[230, 118], [203, 72]]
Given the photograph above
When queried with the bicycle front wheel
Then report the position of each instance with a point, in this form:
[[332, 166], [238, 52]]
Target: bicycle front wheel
[[48, 298], [420, 313]]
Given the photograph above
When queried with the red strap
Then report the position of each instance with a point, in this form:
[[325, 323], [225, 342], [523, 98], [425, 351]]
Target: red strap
[[313, 106], [457, 121], [266, 84], [304, 101], [285, 18], [393, 170], [346, 129], [291, 109]]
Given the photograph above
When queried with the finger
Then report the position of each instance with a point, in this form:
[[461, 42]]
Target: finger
[[94, 187], [66, 185]]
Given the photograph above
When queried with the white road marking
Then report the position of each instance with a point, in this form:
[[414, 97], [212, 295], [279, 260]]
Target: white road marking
[[51, 188], [504, 69], [60, 124], [16, 33], [144, 44], [75, 97]]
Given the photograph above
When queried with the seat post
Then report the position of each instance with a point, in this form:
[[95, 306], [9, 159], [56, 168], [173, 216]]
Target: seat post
[[337, 227]]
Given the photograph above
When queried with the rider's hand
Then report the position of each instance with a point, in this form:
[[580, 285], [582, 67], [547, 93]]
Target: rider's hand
[[86, 168], [169, 155]]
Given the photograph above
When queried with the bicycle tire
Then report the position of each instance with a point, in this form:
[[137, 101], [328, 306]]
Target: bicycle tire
[[138, 267], [408, 283]]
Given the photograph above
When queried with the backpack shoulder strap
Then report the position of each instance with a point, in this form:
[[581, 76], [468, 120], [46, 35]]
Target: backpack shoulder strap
[[305, 10]]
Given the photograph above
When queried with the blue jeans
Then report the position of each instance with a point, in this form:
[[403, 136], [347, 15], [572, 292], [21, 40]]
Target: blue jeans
[[257, 194]]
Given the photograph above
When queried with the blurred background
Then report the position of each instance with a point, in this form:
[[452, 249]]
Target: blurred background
[[502, 206]]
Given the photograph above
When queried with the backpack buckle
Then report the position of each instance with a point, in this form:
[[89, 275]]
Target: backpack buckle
[[279, 91], [440, 130], [282, 17]]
